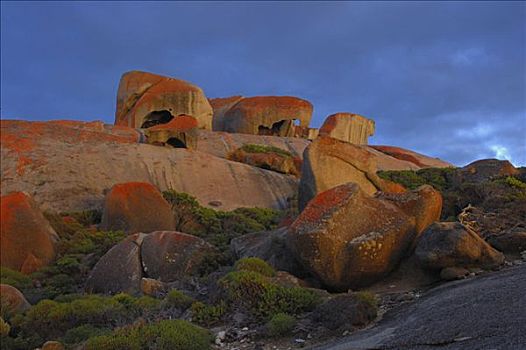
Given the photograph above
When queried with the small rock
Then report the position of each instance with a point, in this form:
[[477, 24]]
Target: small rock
[[244, 329], [220, 337], [453, 273], [52, 345], [299, 341]]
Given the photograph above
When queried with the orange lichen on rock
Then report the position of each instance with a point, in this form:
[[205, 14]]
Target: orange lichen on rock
[[399, 153], [180, 123], [27, 241], [136, 207]]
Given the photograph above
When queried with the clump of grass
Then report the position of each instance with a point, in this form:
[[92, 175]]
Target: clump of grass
[[166, 334], [368, 298], [207, 315], [255, 265], [178, 299], [257, 148], [280, 324]]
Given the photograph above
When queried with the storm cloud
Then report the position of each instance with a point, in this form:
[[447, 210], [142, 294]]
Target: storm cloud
[[447, 79]]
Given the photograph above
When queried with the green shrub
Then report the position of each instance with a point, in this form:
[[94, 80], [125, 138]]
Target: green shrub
[[178, 299], [218, 227], [51, 319], [207, 315], [257, 148], [167, 334], [14, 278], [368, 298], [81, 333], [512, 182], [5, 328], [262, 297], [255, 265], [439, 178], [280, 324]]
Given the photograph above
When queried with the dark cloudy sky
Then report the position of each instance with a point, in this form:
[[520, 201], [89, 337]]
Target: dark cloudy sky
[[446, 79]]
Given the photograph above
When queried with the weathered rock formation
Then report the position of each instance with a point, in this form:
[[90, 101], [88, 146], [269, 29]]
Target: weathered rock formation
[[349, 239], [136, 207], [146, 99], [69, 166], [220, 106], [267, 115], [348, 127], [169, 256], [485, 169], [165, 256], [328, 162], [450, 244], [119, 270], [27, 240], [180, 132], [408, 158], [12, 300], [285, 164]]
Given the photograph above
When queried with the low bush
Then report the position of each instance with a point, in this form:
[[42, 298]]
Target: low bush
[[167, 334], [15, 278], [207, 315], [368, 298], [257, 148], [218, 227], [262, 297], [81, 333], [280, 324], [5, 328], [178, 299], [255, 265]]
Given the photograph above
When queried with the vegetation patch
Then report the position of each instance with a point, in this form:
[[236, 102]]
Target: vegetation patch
[[256, 265], [439, 178], [257, 148], [280, 324], [178, 299], [207, 315], [262, 297], [166, 334]]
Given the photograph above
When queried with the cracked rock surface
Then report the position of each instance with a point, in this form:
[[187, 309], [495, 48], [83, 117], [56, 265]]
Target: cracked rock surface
[[488, 312]]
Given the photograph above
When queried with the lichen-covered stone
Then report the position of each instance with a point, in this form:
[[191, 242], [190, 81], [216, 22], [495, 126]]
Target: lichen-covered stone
[[348, 127], [146, 99], [27, 240], [180, 132], [267, 115]]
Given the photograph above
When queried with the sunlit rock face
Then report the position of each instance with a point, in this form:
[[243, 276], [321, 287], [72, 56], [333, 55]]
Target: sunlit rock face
[[27, 240], [145, 100], [180, 132], [267, 115], [348, 127], [328, 162], [349, 239]]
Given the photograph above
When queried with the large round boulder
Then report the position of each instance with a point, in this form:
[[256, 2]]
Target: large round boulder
[[267, 115], [119, 270], [136, 207], [27, 240], [484, 170], [450, 244], [349, 239], [12, 300], [170, 256], [328, 162], [146, 99]]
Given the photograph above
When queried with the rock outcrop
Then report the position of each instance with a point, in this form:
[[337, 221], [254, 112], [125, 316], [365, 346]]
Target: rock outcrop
[[169, 256], [267, 115], [163, 256], [349, 239], [450, 244], [136, 207], [146, 99], [348, 127], [69, 166], [119, 270], [484, 170], [180, 132], [12, 300], [27, 240], [220, 106], [328, 162], [410, 160], [279, 162]]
